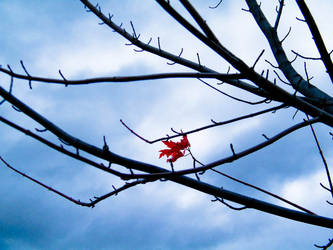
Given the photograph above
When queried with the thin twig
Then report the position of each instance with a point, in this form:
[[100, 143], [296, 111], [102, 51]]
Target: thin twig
[[215, 124], [322, 157], [254, 187], [214, 7], [316, 37], [234, 156], [325, 247], [279, 13], [92, 203], [230, 96]]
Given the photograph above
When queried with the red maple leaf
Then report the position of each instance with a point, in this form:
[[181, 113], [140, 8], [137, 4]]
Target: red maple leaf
[[175, 149]]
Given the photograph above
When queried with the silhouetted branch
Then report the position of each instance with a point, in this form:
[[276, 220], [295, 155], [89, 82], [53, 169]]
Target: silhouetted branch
[[290, 73], [63, 150], [230, 96], [197, 185], [124, 78], [323, 158], [227, 204], [325, 247], [200, 21], [315, 103], [254, 187], [234, 156], [215, 124], [279, 13], [92, 202], [217, 5], [316, 37]]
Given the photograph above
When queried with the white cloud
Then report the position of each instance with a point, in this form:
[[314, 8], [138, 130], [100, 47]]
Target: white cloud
[[307, 192]]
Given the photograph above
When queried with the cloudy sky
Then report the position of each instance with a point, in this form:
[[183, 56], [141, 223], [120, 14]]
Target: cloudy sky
[[53, 35]]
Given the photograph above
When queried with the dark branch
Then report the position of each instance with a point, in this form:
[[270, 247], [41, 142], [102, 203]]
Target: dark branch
[[230, 96], [290, 73], [215, 124], [92, 203], [325, 56], [279, 13], [124, 78], [322, 157], [235, 156], [191, 183], [325, 247]]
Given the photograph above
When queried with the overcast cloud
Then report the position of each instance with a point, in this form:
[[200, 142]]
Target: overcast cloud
[[53, 35]]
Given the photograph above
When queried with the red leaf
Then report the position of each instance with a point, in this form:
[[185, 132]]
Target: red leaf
[[184, 142], [175, 149], [166, 152]]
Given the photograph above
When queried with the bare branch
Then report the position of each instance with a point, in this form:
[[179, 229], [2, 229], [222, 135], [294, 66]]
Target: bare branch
[[146, 47], [197, 185], [227, 204], [325, 56], [25, 70], [232, 97], [92, 203], [63, 150], [307, 57], [217, 5], [200, 21], [124, 78], [290, 73], [314, 102], [208, 126], [235, 156], [325, 247], [279, 13], [254, 187], [285, 37], [39, 183], [322, 157], [257, 60]]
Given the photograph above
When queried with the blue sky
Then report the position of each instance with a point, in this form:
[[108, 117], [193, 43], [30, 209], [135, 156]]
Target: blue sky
[[53, 35]]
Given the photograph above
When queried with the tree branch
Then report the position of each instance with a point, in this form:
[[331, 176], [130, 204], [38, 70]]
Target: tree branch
[[215, 124], [274, 92], [325, 56], [200, 21], [234, 156], [92, 203], [279, 13], [222, 77], [323, 158], [148, 168], [290, 73]]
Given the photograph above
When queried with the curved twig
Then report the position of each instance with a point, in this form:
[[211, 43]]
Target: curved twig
[[205, 127]]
